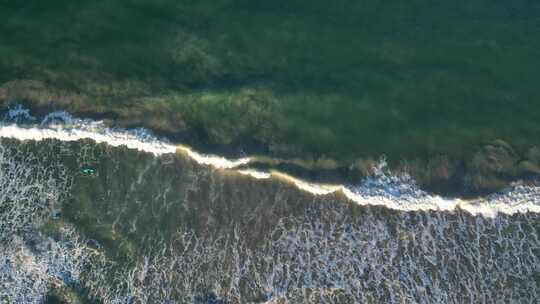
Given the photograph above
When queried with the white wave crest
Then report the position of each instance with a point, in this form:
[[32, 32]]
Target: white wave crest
[[384, 189]]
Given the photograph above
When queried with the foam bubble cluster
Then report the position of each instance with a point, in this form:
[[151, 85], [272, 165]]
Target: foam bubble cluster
[[31, 263], [401, 258]]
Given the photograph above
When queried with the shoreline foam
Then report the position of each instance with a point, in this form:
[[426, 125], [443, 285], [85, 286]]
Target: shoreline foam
[[382, 189]]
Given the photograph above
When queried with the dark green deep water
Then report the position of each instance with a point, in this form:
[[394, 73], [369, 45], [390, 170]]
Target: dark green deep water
[[318, 80], [341, 79]]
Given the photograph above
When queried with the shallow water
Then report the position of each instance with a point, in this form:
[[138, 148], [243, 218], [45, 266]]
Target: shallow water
[[159, 223], [341, 79]]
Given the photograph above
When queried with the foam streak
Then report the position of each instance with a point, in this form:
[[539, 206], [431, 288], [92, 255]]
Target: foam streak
[[382, 190]]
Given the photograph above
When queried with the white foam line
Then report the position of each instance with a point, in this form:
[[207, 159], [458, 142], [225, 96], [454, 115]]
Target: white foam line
[[506, 203], [110, 138], [213, 160], [115, 139], [255, 174], [489, 207], [317, 189], [519, 200]]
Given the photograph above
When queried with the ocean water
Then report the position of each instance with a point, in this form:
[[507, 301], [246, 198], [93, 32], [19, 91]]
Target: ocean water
[[98, 215], [299, 77]]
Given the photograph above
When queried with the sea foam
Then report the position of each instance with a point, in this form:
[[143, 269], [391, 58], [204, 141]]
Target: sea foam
[[382, 189]]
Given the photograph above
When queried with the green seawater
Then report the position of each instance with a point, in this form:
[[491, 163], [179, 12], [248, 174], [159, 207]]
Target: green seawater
[[341, 79], [82, 222]]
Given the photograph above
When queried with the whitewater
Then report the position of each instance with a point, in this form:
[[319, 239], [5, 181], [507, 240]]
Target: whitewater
[[161, 223], [383, 188]]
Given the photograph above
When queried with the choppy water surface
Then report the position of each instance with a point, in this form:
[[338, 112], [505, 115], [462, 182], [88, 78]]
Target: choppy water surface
[[158, 223]]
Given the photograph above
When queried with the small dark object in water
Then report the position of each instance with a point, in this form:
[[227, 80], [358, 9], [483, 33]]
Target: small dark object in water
[[92, 243], [88, 171], [56, 215]]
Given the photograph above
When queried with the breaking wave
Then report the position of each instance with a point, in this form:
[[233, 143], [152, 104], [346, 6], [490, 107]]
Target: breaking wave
[[383, 188], [258, 237]]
